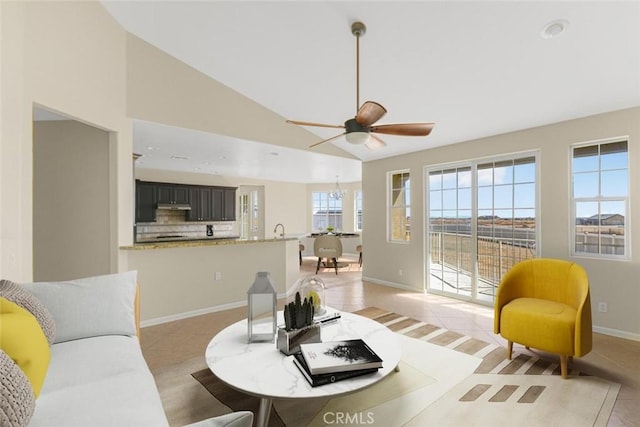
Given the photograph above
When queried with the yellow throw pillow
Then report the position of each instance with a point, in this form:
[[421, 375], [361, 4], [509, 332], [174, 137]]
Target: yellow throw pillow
[[23, 340]]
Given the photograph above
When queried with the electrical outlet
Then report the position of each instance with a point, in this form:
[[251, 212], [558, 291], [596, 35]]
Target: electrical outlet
[[218, 275], [603, 307]]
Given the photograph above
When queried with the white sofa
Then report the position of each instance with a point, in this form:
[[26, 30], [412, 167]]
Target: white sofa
[[97, 375]]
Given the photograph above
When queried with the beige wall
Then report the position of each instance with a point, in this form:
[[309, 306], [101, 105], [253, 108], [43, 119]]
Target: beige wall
[[71, 222], [68, 57], [614, 282]]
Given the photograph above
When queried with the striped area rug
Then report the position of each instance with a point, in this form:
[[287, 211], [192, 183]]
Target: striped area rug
[[526, 388], [494, 357]]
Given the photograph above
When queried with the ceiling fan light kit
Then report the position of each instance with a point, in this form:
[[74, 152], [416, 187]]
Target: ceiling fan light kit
[[359, 129], [357, 138]]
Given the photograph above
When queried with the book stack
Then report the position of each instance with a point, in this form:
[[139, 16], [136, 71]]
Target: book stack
[[328, 362]]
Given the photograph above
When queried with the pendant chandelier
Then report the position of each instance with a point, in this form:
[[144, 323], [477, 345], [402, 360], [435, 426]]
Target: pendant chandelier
[[337, 193]]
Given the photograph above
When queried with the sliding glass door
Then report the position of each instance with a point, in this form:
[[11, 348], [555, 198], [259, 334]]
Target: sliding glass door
[[451, 250], [481, 220]]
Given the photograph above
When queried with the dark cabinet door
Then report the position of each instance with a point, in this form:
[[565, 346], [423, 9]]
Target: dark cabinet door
[[229, 205], [145, 201], [200, 199], [172, 193], [224, 204], [217, 204]]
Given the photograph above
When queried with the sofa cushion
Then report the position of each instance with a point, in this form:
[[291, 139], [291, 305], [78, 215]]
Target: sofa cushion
[[24, 342], [101, 305], [17, 400], [25, 299], [100, 381]]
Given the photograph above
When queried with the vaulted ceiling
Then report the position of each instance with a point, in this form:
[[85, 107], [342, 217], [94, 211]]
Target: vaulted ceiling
[[475, 68]]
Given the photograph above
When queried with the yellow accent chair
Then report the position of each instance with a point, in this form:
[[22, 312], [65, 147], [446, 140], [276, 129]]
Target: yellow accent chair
[[545, 304]]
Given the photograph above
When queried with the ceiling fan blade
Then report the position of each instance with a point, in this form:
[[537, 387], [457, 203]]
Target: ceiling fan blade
[[369, 113], [322, 125], [404, 129], [327, 140], [374, 143]]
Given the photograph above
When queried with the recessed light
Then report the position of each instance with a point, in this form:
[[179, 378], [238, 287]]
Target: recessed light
[[152, 148], [554, 29], [179, 158]]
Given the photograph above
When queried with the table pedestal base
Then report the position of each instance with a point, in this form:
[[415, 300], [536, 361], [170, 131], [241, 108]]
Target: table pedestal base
[[264, 412]]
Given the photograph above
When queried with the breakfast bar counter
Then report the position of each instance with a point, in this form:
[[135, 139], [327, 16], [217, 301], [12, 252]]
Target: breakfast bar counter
[[185, 278], [198, 242]]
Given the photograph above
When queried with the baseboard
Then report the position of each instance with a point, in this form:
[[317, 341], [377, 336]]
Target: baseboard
[[390, 284], [616, 333], [194, 313]]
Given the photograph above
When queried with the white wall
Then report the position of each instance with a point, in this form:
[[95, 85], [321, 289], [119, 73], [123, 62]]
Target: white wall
[[614, 282]]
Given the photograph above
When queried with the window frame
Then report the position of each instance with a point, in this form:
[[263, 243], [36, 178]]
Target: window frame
[[391, 207], [357, 202], [599, 198]]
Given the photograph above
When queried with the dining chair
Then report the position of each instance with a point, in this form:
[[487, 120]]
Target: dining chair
[[329, 247]]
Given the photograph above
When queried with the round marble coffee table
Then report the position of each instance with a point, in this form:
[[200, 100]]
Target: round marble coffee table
[[259, 369]]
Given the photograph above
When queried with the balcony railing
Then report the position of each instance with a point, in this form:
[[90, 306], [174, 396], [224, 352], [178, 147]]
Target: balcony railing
[[495, 256]]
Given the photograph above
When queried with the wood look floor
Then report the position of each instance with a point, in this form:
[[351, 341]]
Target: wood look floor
[[612, 358]]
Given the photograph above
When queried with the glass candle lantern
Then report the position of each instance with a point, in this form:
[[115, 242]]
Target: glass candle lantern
[[261, 317], [313, 286]]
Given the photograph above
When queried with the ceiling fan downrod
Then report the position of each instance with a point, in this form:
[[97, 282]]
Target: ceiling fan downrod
[[358, 29]]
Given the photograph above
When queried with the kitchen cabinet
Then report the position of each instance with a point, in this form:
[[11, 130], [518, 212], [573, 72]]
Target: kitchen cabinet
[[224, 204], [145, 201], [208, 203], [201, 200], [172, 193]]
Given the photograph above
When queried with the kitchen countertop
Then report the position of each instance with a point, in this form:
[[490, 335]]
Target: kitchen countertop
[[200, 242]]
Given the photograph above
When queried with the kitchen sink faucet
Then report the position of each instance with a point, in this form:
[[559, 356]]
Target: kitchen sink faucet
[[276, 229]]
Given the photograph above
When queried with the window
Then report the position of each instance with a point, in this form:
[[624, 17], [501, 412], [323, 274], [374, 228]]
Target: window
[[400, 207], [358, 211], [600, 193], [327, 211]]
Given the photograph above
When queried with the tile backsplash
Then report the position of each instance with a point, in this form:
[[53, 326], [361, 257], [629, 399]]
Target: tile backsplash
[[173, 223]]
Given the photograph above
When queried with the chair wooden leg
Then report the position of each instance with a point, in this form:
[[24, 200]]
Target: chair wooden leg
[[318, 266], [509, 349], [335, 264], [360, 259], [563, 365], [300, 256]]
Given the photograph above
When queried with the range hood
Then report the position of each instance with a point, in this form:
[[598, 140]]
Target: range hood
[[174, 206]]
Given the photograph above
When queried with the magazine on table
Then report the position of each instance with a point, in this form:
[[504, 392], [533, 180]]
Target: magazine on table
[[339, 356], [322, 379]]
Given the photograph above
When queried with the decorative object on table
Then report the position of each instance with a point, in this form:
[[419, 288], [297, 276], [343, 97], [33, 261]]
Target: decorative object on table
[[322, 379], [312, 287], [330, 228], [261, 317], [339, 356], [299, 326]]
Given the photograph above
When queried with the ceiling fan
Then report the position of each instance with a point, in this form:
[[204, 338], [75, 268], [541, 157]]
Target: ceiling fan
[[361, 129]]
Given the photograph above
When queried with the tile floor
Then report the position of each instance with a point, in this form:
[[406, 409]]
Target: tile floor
[[612, 358]]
